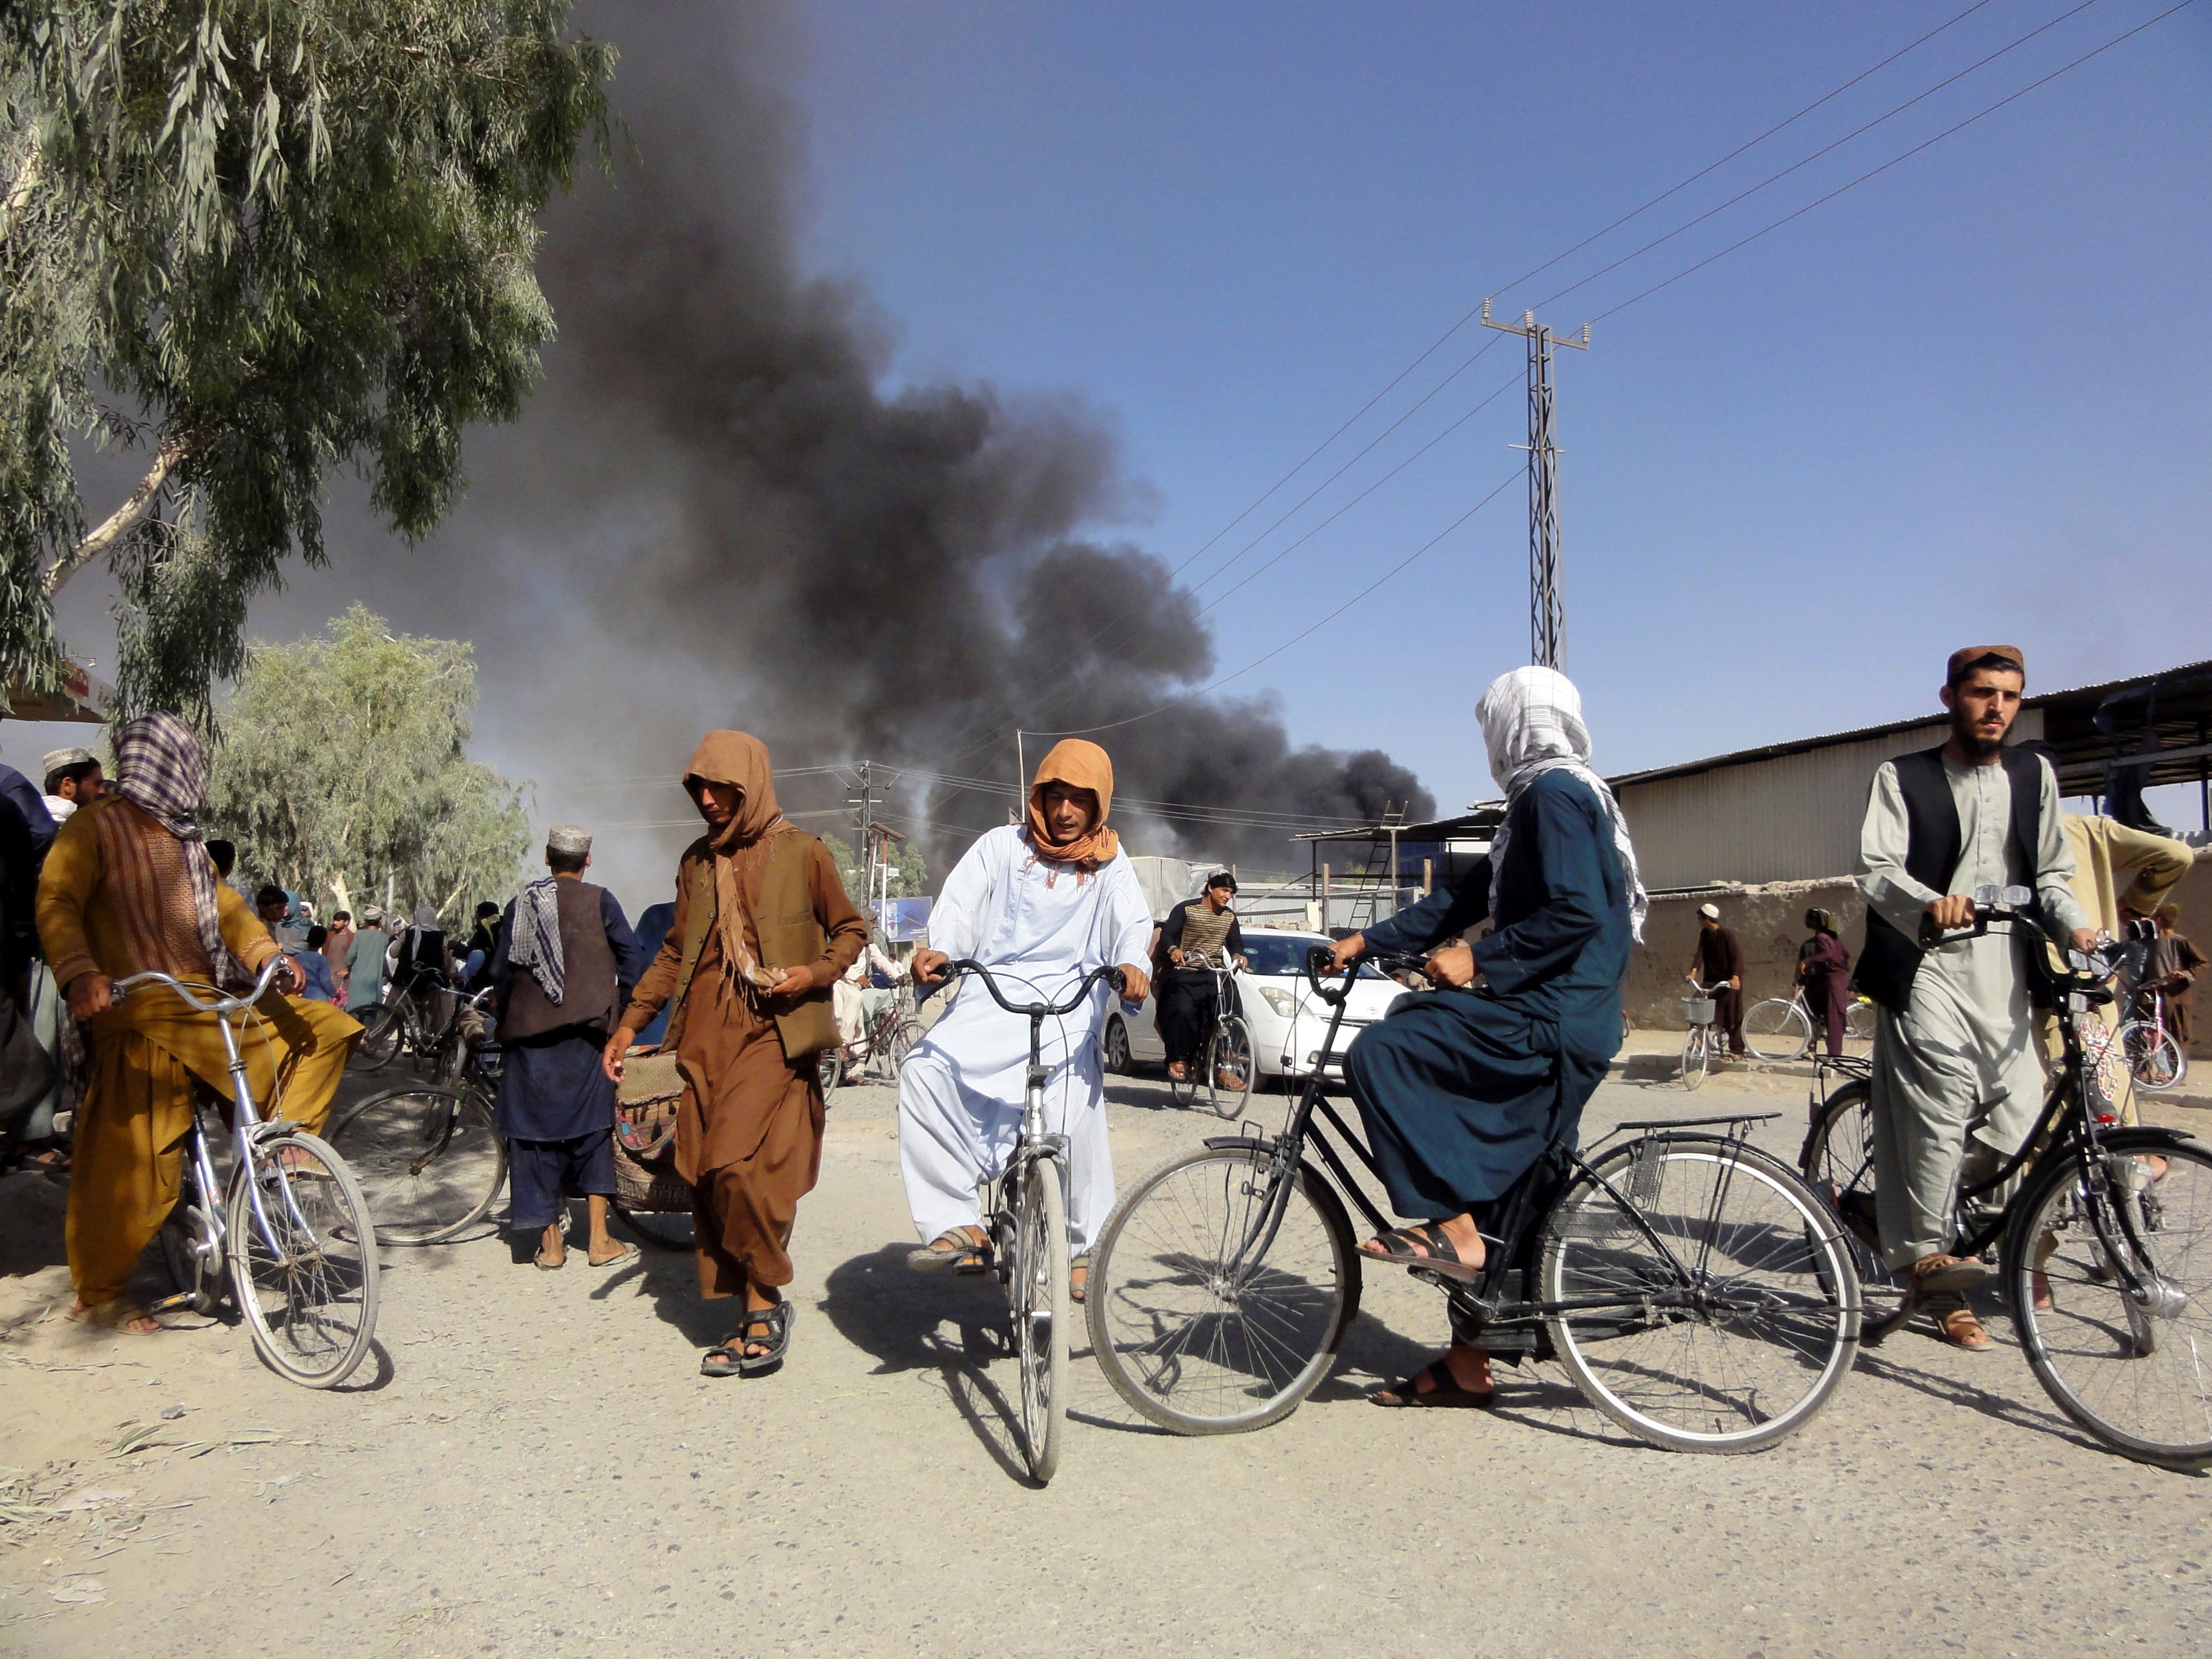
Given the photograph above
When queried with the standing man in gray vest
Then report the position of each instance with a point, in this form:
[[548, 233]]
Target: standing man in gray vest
[[1957, 1080], [562, 970]]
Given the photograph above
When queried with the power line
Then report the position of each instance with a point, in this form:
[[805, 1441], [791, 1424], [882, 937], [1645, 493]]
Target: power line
[[1003, 706], [1774, 177], [1926, 143]]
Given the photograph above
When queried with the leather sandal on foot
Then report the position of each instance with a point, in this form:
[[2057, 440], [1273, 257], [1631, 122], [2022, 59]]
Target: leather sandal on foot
[[1940, 1273], [965, 1249], [1955, 1322], [1444, 1392], [1078, 1278], [1423, 1245]]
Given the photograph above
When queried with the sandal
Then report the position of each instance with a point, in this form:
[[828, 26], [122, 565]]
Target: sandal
[[1078, 1277], [1957, 1325], [1422, 1245], [771, 1326], [965, 1248], [1444, 1392], [1941, 1273], [627, 1253], [539, 1259]]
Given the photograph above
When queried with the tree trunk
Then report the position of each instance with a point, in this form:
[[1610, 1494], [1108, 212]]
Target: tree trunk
[[173, 449]]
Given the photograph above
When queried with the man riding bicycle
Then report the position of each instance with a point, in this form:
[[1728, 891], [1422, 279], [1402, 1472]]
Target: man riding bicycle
[[1460, 1094], [1198, 936], [1040, 904]]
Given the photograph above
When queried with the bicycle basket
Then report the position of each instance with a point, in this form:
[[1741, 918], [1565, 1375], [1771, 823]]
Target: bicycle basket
[[1699, 1011]]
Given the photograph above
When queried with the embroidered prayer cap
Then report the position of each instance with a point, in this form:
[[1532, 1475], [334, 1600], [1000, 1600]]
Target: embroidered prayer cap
[[1080, 765], [569, 840], [56, 759], [1968, 658], [371, 916], [741, 759]]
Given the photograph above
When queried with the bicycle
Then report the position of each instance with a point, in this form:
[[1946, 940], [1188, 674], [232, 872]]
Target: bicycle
[[409, 1020], [290, 1247], [1780, 1030], [430, 1158], [1696, 1291], [1227, 1068], [891, 1034], [1025, 1208], [2154, 1059], [2104, 1248], [1698, 1044]]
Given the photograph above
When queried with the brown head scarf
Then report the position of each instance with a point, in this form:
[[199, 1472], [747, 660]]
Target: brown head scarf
[[1082, 766], [735, 757]]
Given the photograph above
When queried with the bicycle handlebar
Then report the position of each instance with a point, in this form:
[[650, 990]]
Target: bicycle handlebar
[[1320, 955], [1112, 976], [123, 988]]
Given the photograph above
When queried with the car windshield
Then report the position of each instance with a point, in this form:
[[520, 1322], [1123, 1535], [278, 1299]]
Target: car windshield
[[1283, 956]]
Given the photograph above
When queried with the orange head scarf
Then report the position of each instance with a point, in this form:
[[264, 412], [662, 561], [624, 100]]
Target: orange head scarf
[[1079, 765], [736, 758]]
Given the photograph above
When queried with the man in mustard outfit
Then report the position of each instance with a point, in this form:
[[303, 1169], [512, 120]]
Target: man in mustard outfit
[[128, 888]]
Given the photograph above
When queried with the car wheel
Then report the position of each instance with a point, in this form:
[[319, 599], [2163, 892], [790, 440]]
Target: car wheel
[[1117, 1045]]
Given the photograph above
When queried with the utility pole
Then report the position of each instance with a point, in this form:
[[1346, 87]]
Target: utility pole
[[864, 812], [1020, 813], [1548, 607]]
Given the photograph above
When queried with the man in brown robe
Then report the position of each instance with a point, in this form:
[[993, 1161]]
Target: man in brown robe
[[1719, 963], [763, 929]]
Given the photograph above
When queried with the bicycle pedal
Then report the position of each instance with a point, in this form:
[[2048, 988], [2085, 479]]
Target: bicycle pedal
[[182, 1302]]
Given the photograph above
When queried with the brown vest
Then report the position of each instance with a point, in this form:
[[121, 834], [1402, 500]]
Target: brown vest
[[789, 933], [587, 973]]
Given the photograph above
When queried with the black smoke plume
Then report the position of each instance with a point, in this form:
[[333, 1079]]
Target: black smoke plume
[[711, 465]]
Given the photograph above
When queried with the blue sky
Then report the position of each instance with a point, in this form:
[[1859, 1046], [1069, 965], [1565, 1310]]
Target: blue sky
[[1965, 401]]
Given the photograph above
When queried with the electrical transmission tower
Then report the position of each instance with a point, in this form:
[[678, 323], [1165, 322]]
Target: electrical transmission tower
[[1547, 605]]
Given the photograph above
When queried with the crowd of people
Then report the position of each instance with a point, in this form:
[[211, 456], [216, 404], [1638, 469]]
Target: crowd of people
[[761, 962]]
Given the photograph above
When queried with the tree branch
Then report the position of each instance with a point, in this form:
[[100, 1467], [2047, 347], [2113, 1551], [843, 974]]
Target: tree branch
[[26, 180], [173, 449]]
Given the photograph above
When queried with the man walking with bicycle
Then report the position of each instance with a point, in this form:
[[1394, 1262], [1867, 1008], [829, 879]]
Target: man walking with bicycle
[[1040, 904], [1958, 1081]]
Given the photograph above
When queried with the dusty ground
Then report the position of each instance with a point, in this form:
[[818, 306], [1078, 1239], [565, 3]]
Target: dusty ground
[[533, 1466]]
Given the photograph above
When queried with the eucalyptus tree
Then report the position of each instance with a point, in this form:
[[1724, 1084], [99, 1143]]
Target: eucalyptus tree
[[248, 241], [344, 771]]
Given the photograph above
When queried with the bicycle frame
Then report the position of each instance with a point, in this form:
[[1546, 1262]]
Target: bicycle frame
[[245, 1119], [1481, 1300], [2079, 1135]]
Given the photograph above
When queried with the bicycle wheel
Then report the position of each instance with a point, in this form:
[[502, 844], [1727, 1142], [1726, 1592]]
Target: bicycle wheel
[[1776, 1030], [2155, 1060], [1199, 1345], [1041, 1315], [1742, 1347], [428, 1160], [1230, 1070], [1695, 1050], [830, 1067], [1184, 1090], [1858, 1028], [1838, 1163], [2135, 1371], [381, 1033], [303, 1266]]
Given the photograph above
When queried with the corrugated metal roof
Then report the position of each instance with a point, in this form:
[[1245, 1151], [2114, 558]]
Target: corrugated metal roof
[[1801, 746]]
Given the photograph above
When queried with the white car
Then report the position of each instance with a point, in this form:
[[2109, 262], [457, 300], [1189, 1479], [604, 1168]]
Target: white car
[[1288, 1022]]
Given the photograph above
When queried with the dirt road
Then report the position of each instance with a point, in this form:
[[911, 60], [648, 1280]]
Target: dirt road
[[534, 1467]]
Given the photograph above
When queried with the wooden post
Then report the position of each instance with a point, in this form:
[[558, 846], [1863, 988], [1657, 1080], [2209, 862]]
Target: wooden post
[[1428, 877], [1324, 898]]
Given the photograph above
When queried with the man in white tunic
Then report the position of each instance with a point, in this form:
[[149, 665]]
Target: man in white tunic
[[1040, 904], [1957, 1080]]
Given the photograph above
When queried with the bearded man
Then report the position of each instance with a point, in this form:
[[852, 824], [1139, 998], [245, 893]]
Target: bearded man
[[1957, 1083], [128, 888], [1041, 904], [763, 930]]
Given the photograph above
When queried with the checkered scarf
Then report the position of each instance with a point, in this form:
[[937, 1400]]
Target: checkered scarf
[[535, 945], [161, 769], [1532, 723]]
